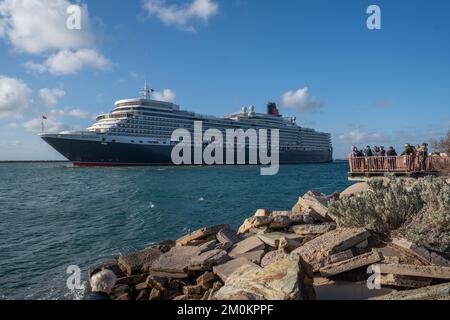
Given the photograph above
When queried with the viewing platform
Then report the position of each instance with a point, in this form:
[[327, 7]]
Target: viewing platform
[[410, 166]]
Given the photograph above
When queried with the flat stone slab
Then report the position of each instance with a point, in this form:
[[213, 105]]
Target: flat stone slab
[[395, 280], [437, 292], [206, 260], [420, 252], [273, 239], [227, 235], [135, 262], [223, 271], [351, 264], [306, 229], [434, 272], [341, 256], [317, 251], [280, 222], [176, 261], [253, 256], [201, 234], [252, 243]]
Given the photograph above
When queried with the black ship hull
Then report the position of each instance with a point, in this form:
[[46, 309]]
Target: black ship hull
[[95, 153]]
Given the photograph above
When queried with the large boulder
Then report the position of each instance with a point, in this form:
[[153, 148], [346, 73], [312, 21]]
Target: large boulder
[[137, 262], [272, 256], [175, 263], [287, 279], [280, 222], [313, 204], [262, 213], [180, 262], [354, 189], [223, 271], [317, 251], [254, 222], [227, 236], [252, 243]]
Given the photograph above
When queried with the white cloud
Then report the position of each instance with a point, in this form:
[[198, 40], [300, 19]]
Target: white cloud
[[39, 26], [57, 113], [15, 97], [51, 125], [166, 95], [182, 16], [68, 62], [77, 113], [35, 67], [74, 113], [300, 100], [50, 97], [357, 136]]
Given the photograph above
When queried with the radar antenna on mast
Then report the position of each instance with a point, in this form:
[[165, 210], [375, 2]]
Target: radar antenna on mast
[[146, 92]]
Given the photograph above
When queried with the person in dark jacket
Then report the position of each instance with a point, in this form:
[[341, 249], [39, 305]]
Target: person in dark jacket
[[382, 152], [102, 283], [368, 152], [391, 152], [409, 154], [409, 150]]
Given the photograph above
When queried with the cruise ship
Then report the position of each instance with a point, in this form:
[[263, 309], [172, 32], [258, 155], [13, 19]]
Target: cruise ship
[[138, 132]]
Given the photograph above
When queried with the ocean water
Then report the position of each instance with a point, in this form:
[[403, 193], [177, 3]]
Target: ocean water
[[53, 215]]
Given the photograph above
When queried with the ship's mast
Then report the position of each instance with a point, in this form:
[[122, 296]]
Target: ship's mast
[[146, 91]]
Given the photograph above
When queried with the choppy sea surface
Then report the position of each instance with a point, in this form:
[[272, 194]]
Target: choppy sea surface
[[53, 215]]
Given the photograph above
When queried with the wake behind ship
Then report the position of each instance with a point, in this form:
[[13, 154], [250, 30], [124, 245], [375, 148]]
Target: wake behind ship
[[138, 132]]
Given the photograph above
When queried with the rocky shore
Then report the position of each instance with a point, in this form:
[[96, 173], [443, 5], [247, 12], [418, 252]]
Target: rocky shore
[[282, 255]]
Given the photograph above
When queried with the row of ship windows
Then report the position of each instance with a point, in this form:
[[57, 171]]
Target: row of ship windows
[[166, 143], [156, 121], [166, 132], [289, 143], [176, 124], [282, 133]]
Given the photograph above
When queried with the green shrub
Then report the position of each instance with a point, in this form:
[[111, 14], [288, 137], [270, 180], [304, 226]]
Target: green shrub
[[431, 226], [419, 212]]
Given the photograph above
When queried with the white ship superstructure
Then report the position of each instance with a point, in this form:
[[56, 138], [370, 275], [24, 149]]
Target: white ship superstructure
[[150, 123]]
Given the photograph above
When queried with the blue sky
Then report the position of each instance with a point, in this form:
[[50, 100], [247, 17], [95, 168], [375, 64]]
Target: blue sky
[[316, 59]]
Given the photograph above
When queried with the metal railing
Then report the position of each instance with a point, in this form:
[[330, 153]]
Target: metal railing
[[397, 164]]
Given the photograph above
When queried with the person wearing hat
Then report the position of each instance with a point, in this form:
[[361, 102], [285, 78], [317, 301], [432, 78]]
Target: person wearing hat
[[409, 151], [423, 156]]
